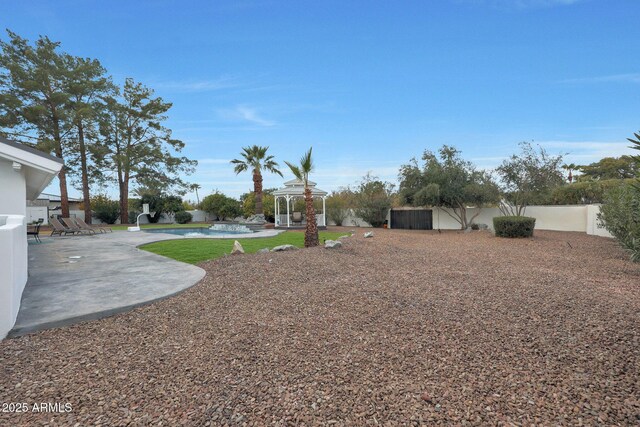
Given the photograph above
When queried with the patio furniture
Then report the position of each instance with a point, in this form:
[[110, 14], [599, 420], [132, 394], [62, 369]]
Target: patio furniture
[[58, 228], [34, 230], [296, 218], [71, 225], [83, 225]]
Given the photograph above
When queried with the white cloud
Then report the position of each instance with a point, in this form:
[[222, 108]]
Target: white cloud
[[581, 152], [219, 83], [587, 151], [612, 78], [245, 113], [213, 161]]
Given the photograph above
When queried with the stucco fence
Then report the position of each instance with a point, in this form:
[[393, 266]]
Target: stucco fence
[[582, 218], [36, 212]]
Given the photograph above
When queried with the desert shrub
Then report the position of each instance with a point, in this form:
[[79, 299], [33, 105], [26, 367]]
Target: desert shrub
[[133, 217], [620, 215], [585, 192], [514, 226], [248, 204], [221, 206], [183, 217], [338, 205], [528, 179], [161, 204], [373, 199], [105, 209]]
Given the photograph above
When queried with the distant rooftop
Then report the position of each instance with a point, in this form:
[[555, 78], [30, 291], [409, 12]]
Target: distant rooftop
[[55, 198]]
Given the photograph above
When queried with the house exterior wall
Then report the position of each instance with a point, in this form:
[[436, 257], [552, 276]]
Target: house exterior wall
[[12, 189], [13, 268]]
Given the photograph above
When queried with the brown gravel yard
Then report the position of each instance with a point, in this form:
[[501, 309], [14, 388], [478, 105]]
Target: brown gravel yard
[[407, 328]]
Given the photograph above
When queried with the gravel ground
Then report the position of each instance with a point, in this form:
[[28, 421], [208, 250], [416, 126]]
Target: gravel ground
[[407, 328]]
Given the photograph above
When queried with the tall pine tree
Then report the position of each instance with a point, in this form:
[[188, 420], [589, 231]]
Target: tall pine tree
[[34, 98], [135, 145], [86, 84]]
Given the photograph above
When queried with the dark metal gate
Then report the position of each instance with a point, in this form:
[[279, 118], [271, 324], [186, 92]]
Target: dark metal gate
[[414, 219]]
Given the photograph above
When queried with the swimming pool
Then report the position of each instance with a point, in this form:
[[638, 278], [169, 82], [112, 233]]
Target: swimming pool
[[193, 232]]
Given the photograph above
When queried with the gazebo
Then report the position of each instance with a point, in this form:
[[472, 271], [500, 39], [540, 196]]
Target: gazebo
[[291, 191]]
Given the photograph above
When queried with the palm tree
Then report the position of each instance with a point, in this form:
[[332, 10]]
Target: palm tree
[[196, 187], [302, 173], [570, 167], [256, 158]]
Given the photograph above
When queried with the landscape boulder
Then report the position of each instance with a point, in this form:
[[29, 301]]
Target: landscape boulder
[[263, 251], [368, 234], [237, 248], [332, 244]]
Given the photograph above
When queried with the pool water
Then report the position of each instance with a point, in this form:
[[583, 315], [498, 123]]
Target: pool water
[[192, 232]]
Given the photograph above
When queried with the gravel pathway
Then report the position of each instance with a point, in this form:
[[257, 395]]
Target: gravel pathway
[[407, 328]]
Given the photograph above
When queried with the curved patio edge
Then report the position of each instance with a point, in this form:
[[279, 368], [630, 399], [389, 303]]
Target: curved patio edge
[[20, 331], [81, 278]]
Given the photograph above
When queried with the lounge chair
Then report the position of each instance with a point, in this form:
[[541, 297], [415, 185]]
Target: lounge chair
[[34, 230], [83, 225], [58, 228], [71, 225], [296, 217]]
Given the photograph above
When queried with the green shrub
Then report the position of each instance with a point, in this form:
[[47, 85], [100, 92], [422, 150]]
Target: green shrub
[[183, 217], [105, 209], [620, 215], [585, 192], [133, 217], [514, 226], [221, 206]]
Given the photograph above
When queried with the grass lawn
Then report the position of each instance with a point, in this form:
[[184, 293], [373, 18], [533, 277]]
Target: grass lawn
[[189, 225], [194, 251]]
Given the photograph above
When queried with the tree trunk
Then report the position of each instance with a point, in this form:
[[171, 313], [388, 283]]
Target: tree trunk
[[311, 232], [124, 200], [85, 175], [257, 189], [64, 196], [62, 176]]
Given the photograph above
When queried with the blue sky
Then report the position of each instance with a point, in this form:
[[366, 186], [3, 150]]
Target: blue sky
[[367, 84]]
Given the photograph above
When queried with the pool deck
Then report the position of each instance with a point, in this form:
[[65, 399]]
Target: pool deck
[[79, 278]]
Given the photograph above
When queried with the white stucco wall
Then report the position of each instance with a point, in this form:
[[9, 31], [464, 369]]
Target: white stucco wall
[[582, 218], [12, 189], [198, 216], [34, 213], [593, 225], [13, 268], [351, 220]]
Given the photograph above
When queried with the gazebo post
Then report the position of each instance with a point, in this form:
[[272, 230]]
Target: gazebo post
[[275, 210], [288, 198], [324, 211]]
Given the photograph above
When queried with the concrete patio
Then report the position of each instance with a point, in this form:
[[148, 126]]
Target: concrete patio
[[78, 278]]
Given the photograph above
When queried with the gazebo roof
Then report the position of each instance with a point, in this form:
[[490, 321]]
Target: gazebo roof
[[295, 187]]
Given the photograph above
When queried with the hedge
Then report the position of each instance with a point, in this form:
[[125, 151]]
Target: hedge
[[585, 192], [514, 226], [183, 217]]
